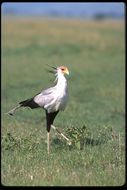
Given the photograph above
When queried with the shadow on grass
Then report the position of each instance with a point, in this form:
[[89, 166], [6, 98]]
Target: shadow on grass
[[94, 142], [58, 143]]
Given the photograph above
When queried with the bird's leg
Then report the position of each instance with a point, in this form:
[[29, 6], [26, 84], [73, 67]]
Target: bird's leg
[[49, 120], [48, 142], [69, 142]]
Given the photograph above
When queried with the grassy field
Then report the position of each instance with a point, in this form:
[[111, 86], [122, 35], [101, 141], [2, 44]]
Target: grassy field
[[94, 52]]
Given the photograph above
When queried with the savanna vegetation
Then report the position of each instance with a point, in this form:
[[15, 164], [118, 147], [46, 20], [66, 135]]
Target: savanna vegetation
[[94, 52]]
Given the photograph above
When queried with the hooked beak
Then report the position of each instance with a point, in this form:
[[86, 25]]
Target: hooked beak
[[67, 72]]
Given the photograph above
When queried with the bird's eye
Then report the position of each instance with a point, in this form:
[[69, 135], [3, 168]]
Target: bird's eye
[[62, 69]]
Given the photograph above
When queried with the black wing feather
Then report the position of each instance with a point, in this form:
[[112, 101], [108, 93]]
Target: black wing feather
[[29, 103]]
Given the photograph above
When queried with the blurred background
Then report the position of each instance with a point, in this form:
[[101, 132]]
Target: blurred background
[[66, 10]]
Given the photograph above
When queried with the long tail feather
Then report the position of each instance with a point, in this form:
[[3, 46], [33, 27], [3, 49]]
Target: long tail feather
[[26, 103], [12, 112]]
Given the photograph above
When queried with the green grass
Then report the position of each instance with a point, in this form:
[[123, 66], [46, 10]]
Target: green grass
[[95, 55]]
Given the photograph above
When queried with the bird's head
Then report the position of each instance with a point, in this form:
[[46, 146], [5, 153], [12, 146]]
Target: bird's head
[[61, 69]]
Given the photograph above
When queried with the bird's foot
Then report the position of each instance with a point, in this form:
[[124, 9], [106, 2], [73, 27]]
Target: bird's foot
[[69, 143]]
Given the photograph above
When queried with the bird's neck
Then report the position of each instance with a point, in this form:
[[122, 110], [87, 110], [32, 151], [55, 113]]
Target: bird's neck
[[61, 80]]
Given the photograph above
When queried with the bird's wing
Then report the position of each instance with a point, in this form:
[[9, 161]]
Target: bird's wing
[[45, 97], [48, 91]]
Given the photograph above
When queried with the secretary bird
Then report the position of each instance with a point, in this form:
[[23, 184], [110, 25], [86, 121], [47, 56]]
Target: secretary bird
[[52, 100]]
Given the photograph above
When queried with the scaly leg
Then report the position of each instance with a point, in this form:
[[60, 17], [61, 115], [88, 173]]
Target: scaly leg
[[69, 142]]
